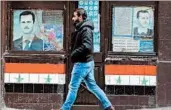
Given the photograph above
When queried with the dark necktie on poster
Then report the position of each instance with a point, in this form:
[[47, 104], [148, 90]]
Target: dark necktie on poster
[[27, 45]]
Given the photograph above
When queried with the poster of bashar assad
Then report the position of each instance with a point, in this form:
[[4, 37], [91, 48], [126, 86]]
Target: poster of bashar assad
[[143, 23], [37, 30]]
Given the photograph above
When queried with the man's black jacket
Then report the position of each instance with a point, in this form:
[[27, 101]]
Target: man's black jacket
[[82, 42]]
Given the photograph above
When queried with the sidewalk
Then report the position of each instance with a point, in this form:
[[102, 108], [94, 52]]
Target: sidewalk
[[160, 108], [12, 109]]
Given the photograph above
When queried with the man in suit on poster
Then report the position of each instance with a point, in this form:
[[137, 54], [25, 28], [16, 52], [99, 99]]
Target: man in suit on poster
[[142, 30], [28, 41]]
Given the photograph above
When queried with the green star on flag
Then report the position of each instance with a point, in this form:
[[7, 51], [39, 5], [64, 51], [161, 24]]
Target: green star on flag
[[19, 78], [144, 81], [48, 79], [119, 80]]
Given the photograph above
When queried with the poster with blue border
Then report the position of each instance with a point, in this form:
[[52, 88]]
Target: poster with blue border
[[133, 29]]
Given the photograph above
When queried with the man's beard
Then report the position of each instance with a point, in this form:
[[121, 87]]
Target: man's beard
[[76, 22]]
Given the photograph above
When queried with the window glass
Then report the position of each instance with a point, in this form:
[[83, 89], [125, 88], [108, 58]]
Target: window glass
[[38, 30], [133, 29]]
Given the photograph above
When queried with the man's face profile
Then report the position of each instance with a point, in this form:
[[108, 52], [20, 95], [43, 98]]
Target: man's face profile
[[75, 18], [26, 23], [144, 19]]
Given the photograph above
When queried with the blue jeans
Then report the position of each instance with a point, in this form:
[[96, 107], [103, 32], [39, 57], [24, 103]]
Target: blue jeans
[[84, 72]]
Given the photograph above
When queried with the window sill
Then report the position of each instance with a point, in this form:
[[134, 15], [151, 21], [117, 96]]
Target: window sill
[[24, 57], [131, 58]]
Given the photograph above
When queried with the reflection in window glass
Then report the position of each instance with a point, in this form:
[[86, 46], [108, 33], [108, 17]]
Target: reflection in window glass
[[38, 30], [133, 29]]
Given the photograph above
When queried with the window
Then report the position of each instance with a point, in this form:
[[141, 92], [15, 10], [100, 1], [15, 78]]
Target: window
[[133, 29], [38, 30]]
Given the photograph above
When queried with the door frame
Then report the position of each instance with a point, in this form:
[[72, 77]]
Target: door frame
[[98, 59]]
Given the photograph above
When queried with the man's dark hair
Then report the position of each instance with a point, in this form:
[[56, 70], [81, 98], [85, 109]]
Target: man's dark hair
[[28, 13], [141, 11], [81, 12]]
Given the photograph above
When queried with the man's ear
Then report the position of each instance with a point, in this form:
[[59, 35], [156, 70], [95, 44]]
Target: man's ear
[[81, 18]]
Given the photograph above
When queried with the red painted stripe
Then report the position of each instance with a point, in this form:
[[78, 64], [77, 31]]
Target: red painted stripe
[[34, 68], [130, 70]]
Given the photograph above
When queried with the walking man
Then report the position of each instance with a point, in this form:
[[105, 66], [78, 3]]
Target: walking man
[[81, 56]]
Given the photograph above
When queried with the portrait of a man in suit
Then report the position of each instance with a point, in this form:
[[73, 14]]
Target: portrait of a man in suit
[[28, 41], [142, 30]]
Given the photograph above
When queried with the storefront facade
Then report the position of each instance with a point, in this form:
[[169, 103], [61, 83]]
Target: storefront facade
[[131, 53]]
